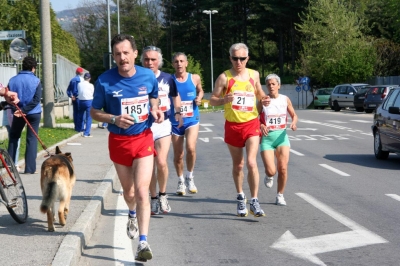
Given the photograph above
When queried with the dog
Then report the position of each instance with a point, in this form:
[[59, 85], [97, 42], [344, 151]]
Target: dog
[[57, 179]]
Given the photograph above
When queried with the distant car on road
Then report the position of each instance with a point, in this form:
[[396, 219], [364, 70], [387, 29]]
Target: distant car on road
[[343, 95], [359, 99], [386, 126], [321, 97], [375, 95]]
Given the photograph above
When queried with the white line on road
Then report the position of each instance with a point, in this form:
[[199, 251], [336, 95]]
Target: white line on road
[[334, 170], [362, 121], [308, 248], [307, 128], [123, 252], [296, 152], [393, 196]]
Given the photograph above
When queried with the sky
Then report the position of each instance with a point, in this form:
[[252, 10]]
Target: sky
[[59, 5]]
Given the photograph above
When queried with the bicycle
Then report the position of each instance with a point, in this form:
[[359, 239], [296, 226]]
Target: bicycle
[[12, 190]]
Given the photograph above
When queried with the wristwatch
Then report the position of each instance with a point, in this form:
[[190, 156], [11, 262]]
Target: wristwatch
[[177, 113], [113, 120]]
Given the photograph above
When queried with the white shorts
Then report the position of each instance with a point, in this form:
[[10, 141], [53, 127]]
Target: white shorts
[[161, 130]]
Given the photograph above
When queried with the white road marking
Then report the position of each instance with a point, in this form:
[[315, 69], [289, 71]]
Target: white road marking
[[362, 121], [308, 248], [221, 138], [123, 252], [336, 121], [334, 170], [306, 137], [206, 129], [206, 125], [393, 196], [204, 139], [321, 137], [307, 128], [296, 152]]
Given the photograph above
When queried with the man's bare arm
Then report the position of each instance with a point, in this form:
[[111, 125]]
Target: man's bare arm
[[219, 87]]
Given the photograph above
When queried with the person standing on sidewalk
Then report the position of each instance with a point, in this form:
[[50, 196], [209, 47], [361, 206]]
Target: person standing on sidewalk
[[85, 96], [29, 90], [240, 89], [127, 98], [275, 141], [170, 104], [72, 92], [191, 93]]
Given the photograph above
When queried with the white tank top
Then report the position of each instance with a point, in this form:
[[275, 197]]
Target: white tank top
[[275, 114]]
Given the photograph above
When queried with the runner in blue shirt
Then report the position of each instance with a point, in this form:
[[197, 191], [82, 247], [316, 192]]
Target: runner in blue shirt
[[191, 92], [126, 98], [170, 104]]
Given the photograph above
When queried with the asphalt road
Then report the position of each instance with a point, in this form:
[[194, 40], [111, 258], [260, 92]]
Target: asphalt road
[[342, 205]]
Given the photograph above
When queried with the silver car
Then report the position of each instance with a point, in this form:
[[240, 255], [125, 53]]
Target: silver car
[[342, 95]]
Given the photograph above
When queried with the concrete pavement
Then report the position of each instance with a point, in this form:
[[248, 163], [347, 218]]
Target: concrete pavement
[[96, 177]]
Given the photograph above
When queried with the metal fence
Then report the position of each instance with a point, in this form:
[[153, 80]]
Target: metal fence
[[392, 80], [63, 72]]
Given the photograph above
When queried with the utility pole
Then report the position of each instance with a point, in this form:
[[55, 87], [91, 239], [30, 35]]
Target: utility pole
[[47, 60]]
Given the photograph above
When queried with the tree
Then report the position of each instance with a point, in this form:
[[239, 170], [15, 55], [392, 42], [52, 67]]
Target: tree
[[333, 47], [24, 15]]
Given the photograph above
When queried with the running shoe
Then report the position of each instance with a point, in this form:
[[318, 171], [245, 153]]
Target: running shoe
[[255, 208], [241, 206], [269, 181], [164, 205], [143, 252], [132, 228], [190, 185], [280, 200], [181, 190], [155, 206]]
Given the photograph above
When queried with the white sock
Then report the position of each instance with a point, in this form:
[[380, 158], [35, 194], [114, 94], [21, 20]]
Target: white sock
[[181, 179], [189, 175]]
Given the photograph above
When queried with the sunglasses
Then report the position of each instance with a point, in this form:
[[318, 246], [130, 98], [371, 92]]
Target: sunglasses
[[152, 48], [234, 58]]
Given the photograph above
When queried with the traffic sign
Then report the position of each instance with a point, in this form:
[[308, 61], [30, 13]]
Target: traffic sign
[[298, 88], [306, 87], [11, 34]]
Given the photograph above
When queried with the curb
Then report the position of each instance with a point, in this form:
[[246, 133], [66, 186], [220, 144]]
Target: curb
[[71, 247]]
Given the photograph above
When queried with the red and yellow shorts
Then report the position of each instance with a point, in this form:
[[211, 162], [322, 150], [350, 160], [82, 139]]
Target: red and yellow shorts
[[236, 134], [124, 149]]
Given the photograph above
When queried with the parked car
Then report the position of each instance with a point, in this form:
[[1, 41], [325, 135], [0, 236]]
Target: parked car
[[386, 126], [321, 97], [359, 99], [375, 95], [343, 95]]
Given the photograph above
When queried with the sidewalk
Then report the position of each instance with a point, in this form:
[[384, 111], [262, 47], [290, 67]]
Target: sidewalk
[[95, 179]]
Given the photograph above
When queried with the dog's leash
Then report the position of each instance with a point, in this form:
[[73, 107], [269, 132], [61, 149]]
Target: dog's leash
[[34, 133]]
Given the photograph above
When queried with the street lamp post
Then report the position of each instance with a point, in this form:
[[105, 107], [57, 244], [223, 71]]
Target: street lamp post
[[211, 12]]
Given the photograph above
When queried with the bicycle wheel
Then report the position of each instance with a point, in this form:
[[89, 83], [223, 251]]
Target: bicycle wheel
[[13, 192]]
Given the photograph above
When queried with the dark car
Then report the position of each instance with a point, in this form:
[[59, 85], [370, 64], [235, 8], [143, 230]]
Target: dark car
[[342, 95], [375, 96], [359, 99], [321, 97], [386, 126]]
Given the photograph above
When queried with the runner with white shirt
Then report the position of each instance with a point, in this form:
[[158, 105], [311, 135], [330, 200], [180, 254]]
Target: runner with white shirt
[[275, 141]]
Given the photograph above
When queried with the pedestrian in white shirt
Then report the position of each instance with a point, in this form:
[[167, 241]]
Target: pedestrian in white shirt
[[85, 96]]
